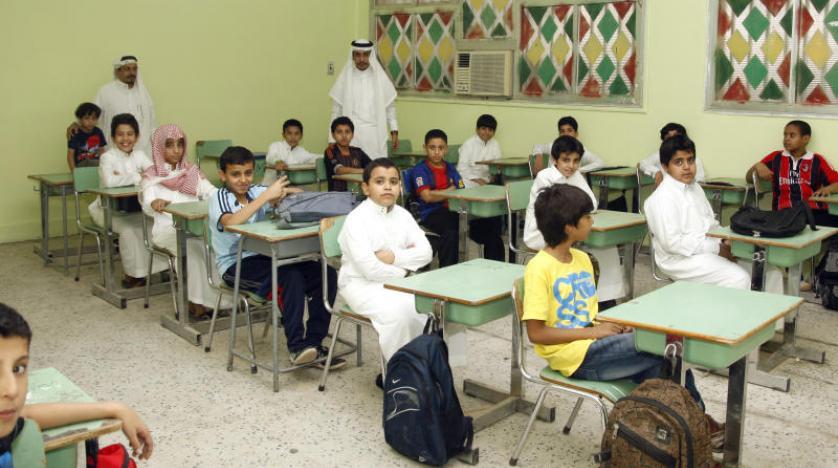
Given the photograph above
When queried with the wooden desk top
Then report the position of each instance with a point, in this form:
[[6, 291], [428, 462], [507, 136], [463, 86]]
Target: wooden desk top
[[606, 220], [188, 210], [57, 179], [268, 232], [806, 237], [737, 185], [356, 178], [506, 162], [483, 193], [115, 192]]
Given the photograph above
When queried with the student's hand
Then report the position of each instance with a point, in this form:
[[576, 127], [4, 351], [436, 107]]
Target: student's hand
[[763, 172], [658, 178], [159, 204], [386, 256], [604, 329], [73, 129], [139, 437], [822, 192], [394, 136], [724, 251], [278, 189], [281, 166]]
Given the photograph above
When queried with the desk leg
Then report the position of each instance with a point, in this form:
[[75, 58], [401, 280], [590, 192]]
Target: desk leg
[[274, 321], [45, 223], [603, 192], [635, 200], [737, 391], [64, 189], [180, 324], [513, 237], [628, 268], [717, 204], [464, 230], [108, 291]]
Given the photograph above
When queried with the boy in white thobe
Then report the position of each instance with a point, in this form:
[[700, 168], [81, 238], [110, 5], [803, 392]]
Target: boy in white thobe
[[287, 152], [651, 165], [480, 147], [569, 126]]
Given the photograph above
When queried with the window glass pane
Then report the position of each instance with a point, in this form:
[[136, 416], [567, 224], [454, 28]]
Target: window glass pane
[[607, 59], [817, 72], [487, 19], [394, 45], [546, 50], [434, 57]]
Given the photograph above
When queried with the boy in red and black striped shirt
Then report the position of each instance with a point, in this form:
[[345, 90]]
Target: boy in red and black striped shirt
[[797, 174]]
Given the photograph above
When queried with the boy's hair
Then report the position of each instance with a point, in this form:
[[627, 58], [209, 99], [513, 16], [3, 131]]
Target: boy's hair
[[88, 108], [672, 145], [235, 155], [342, 121], [124, 119], [672, 126], [386, 163], [803, 127], [436, 133], [557, 206], [292, 123], [488, 121], [568, 120], [566, 144], [12, 324]]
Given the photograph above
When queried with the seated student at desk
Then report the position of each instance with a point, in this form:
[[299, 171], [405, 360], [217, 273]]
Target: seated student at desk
[[21, 441], [241, 202], [340, 157], [122, 166], [482, 146], [287, 152], [568, 126], [434, 173], [651, 166], [173, 179], [564, 169], [796, 173]]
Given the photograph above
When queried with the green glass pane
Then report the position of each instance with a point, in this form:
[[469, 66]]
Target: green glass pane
[[549, 29], [384, 19], [500, 31], [435, 31], [756, 23], [605, 68], [558, 85], [488, 16], [804, 76], [724, 69], [618, 87], [468, 16], [523, 70], [569, 28], [786, 21], [583, 71], [738, 5], [755, 72], [593, 10], [631, 24], [426, 17], [537, 13], [608, 25], [832, 22], [435, 70], [417, 65], [772, 92], [394, 68], [819, 4], [445, 84], [832, 78], [393, 32], [409, 32], [546, 71]]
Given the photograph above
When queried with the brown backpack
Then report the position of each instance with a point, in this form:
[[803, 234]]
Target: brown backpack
[[658, 424]]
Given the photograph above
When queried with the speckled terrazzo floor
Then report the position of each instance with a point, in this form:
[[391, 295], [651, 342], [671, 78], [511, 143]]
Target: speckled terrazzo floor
[[203, 416]]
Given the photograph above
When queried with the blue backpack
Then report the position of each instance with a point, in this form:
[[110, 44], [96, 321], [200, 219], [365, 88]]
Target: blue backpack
[[422, 417]]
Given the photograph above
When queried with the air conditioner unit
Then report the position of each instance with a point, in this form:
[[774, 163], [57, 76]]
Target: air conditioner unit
[[483, 73]]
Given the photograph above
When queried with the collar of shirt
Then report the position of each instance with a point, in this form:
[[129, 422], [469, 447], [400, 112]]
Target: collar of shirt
[[669, 180], [807, 156], [375, 207]]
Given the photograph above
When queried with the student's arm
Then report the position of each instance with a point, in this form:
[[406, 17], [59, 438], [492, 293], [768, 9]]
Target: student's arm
[[540, 333], [355, 245], [112, 175], [418, 253], [275, 192], [390, 112], [651, 165], [761, 168], [205, 189], [49, 415], [830, 176], [340, 170], [150, 199], [428, 197], [590, 162], [71, 159]]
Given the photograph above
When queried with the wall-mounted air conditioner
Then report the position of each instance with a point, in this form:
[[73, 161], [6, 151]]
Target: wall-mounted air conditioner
[[483, 73]]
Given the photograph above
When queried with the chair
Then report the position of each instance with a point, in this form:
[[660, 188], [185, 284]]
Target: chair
[[210, 148], [160, 252], [453, 154], [552, 380], [330, 253], [535, 167], [85, 178], [517, 200], [761, 188], [320, 172]]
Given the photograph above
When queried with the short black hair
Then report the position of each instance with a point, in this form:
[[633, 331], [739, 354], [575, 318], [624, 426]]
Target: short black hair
[[670, 127], [343, 121], [386, 163], [557, 206], [803, 127], [436, 133], [124, 119], [292, 123], [12, 324], [566, 144], [88, 108], [568, 120], [238, 155], [488, 121], [672, 145]]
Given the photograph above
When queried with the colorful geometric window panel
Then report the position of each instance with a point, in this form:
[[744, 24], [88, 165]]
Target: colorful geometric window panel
[[546, 46], [393, 2], [754, 46], [487, 19], [434, 55], [817, 70], [394, 42], [607, 59]]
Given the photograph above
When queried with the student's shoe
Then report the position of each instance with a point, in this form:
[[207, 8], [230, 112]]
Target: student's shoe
[[805, 286], [197, 312], [322, 353], [129, 282], [379, 381], [304, 356]]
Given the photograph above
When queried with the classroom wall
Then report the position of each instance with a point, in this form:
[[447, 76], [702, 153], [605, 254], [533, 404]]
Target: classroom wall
[[220, 69]]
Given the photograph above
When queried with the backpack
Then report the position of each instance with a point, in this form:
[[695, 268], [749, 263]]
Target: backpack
[[311, 207], [787, 222], [422, 416], [112, 456], [826, 276]]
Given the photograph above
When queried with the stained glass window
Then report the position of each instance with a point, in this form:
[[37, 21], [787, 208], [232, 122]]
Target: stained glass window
[[417, 50], [487, 19]]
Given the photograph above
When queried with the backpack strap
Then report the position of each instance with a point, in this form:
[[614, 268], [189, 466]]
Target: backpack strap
[[810, 217]]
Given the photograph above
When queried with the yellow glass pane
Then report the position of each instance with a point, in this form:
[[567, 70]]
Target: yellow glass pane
[[500, 5], [621, 46], [385, 48], [535, 52], [738, 46], [817, 49], [403, 51], [560, 50], [773, 47], [425, 50], [476, 5], [593, 49], [446, 49]]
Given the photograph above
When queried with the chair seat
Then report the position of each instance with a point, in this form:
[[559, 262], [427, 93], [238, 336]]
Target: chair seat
[[347, 312], [611, 390]]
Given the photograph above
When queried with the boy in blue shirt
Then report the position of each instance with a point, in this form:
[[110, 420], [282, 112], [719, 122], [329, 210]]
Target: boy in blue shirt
[[434, 173], [88, 143], [240, 202]]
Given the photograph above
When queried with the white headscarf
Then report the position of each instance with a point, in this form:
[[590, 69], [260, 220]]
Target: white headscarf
[[384, 91]]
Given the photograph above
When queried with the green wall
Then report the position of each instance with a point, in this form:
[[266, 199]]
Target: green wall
[[220, 69]]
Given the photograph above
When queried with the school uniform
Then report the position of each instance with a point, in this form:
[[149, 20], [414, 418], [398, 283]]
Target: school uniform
[[652, 165], [611, 283], [356, 158], [368, 229], [590, 161], [471, 153], [796, 181], [282, 151]]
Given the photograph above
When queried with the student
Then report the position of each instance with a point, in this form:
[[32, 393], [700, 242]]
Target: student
[[122, 166], [88, 143], [240, 202], [173, 179], [796, 173], [381, 241], [434, 173], [560, 303], [651, 166], [480, 147], [564, 169], [342, 158], [287, 152], [568, 126], [21, 425]]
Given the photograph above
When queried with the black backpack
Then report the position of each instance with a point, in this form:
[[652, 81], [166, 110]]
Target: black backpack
[[422, 417], [826, 275], [787, 222]]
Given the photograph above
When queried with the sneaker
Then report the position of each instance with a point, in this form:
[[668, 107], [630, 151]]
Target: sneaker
[[322, 353], [304, 356], [379, 381]]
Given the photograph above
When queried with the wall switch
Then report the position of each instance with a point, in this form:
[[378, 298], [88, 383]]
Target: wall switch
[[330, 68]]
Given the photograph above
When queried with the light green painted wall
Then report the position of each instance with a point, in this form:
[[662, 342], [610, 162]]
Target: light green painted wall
[[220, 69]]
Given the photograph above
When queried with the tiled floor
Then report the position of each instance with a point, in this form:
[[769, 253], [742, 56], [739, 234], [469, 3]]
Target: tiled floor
[[203, 416]]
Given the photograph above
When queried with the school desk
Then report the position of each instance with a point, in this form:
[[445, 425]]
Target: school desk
[[624, 178], [509, 168], [699, 317], [721, 195], [615, 229], [109, 291], [48, 385], [831, 202], [789, 252], [53, 185], [406, 159], [473, 293], [484, 201], [301, 174], [285, 247]]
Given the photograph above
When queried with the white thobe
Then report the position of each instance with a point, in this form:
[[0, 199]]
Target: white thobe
[[473, 151], [652, 165], [117, 98], [590, 161], [282, 151], [364, 116]]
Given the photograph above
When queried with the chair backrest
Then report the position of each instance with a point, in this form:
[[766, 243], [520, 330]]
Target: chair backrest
[[404, 146], [761, 187], [329, 232], [259, 169], [536, 164], [518, 327], [518, 195], [453, 154], [210, 148], [85, 178], [320, 168]]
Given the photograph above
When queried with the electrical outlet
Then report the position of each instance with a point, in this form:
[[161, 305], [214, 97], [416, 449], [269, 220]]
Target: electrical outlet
[[330, 68]]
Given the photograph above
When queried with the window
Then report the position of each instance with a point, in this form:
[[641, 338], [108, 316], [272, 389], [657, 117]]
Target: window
[[775, 55]]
